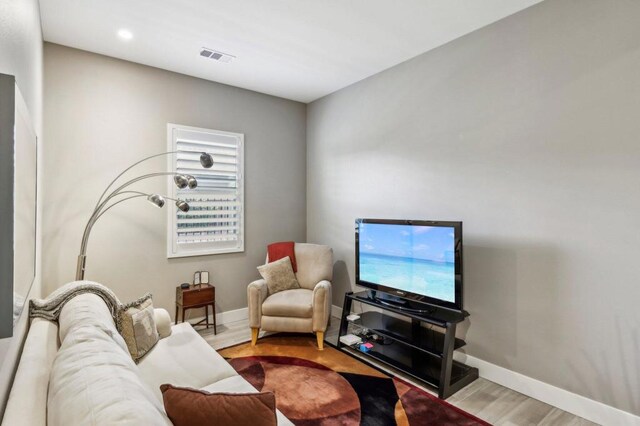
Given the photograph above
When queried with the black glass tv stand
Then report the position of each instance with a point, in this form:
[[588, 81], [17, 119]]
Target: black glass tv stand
[[425, 354], [403, 305]]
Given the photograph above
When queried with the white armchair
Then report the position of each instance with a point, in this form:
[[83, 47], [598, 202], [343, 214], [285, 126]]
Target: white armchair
[[306, 309]]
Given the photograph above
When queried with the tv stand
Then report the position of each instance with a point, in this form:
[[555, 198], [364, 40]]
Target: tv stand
[[402, 305], [423, 353]]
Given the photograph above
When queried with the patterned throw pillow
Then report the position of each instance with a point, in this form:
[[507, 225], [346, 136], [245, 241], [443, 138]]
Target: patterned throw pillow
[[138, 327], [279, 275]]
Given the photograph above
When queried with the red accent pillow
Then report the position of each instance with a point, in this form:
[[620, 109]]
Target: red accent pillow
[[277, 251]]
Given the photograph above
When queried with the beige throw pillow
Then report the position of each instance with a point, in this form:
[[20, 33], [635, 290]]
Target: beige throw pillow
[[279, 275], [138, 327]]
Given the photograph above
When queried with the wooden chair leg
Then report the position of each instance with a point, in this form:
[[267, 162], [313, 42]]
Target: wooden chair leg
[[254, 336], [320, 339]]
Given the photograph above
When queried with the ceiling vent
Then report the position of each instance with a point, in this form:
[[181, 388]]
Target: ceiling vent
[[216, 55]]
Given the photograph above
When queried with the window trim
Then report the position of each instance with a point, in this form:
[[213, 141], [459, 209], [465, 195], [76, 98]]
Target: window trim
[[172, 190]]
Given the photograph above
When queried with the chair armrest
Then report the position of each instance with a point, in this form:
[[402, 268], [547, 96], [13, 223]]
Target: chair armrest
[[257, 292], [321, 305], [163, 322]]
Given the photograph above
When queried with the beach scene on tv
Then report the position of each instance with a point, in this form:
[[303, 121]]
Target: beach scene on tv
[[417, 259]]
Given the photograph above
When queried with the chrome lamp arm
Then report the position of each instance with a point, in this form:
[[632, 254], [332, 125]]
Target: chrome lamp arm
[[129, 168], [206, 161], [182, 181]]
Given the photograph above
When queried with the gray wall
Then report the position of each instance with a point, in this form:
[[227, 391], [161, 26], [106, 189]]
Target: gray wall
[[21, 56], [526, 130], [101, 115]]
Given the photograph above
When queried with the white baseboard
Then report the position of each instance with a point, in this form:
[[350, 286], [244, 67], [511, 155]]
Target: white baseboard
[[224, 317], [336, 312], [573, 403], [232, 316]]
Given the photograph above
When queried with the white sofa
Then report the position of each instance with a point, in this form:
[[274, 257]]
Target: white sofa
[[78, 371]]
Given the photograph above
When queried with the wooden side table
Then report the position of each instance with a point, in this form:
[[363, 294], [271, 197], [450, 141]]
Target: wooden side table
[[197, 296]]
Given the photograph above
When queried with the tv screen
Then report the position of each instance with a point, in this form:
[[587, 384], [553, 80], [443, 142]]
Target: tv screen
[[417, 260]]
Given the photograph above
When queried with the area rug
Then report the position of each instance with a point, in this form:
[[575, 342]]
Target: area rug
[[330, 387]]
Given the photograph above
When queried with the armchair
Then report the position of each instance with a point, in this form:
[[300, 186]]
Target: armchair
[[306, 309]]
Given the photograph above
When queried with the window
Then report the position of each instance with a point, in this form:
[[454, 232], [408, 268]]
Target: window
[[215, 220]]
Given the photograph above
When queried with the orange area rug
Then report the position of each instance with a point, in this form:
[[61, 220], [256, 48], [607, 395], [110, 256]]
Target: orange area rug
[[330, 387]]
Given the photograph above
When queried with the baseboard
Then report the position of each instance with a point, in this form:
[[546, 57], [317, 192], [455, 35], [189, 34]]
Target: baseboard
[[336, 311], [573, 403], [232, 316], [223, 317]]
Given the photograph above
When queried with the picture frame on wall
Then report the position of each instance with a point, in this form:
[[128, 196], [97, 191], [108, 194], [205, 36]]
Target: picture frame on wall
[[196, 278], [18, 202]]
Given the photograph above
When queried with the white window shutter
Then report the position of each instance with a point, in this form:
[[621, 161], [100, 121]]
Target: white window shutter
[[215, 221]]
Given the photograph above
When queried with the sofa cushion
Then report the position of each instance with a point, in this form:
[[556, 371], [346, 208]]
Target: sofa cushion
[[137, 325], [94, 381], [235, 384], [289, 303], [183, 359], [287, 324], [193, 407], [279, 275]]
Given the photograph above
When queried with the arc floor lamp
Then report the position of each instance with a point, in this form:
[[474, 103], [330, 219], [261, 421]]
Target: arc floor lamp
[[121, 194]]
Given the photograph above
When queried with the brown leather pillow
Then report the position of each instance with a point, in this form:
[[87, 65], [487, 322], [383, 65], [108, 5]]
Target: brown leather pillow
[[193, 407]]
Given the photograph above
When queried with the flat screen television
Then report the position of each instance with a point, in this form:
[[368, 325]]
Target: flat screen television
[[411, 260]]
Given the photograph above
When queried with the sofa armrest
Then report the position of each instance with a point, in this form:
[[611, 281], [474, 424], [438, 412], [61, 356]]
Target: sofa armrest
[[257, 292], [163, 322], [27, 405], [321, 305]]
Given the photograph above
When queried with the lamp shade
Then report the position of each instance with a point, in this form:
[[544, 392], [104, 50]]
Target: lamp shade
[[182, 205], [156, 199], [181, 181], [206, 160], [192, 182]]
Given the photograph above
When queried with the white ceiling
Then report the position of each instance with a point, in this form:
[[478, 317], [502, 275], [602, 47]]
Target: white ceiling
[[295, 49]]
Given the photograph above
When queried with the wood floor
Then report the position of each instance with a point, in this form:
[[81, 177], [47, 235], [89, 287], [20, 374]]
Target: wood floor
[[487, 400]]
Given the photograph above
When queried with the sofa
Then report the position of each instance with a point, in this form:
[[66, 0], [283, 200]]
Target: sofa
[[303, 310], [78, 371]]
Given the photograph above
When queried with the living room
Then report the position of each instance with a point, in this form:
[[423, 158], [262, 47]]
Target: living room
[[516, 118]]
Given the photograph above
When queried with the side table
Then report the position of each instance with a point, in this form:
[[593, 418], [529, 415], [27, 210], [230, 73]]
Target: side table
[[197, 296]]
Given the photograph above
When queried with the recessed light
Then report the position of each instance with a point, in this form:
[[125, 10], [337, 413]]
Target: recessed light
[[125, 34]]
